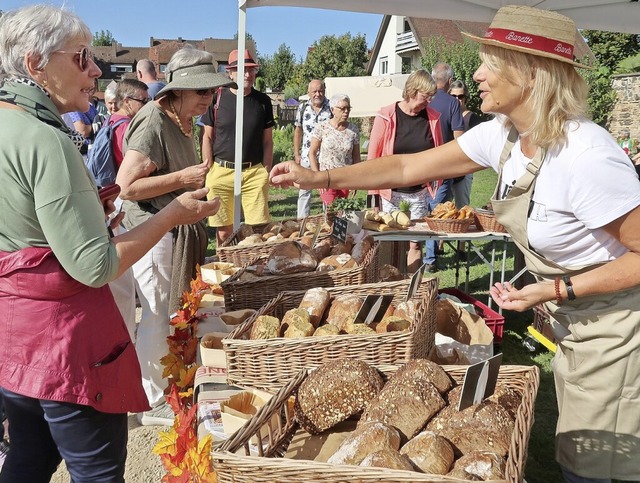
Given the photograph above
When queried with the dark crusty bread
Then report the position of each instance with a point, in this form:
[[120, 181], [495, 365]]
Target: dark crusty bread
[[430, 453], [426, 370], [334, 392], [479, 466], [406, 406], [364, 440], [315, 301], [388, 458], [291, 257]]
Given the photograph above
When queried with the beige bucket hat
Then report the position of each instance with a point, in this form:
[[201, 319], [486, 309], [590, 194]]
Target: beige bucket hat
[[532, 31], [195, 77]]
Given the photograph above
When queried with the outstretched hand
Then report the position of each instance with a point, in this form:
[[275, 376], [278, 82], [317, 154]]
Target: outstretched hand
[[192, 206], [288, 174], [506, 296]]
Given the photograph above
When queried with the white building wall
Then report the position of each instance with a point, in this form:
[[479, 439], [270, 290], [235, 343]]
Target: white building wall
[[388, 48]]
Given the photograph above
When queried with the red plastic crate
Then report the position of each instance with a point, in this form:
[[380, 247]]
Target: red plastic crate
[[493, 319]]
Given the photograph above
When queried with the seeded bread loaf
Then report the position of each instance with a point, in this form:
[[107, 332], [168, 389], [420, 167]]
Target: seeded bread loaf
[[366, 439], [265, 327], [295, 317], [423, 370], [430, 453], [334, 392], [326, 329]]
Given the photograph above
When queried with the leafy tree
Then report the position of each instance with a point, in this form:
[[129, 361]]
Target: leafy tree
[[462, 57], [629, 65], [602, 97], [331, 56], [103, 38], [611, 47], [279, 68]]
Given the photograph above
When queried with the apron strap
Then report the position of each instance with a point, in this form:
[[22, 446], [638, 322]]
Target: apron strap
[[524, 183]]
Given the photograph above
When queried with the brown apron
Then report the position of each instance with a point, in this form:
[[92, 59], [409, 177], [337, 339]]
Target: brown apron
[[597, 364]]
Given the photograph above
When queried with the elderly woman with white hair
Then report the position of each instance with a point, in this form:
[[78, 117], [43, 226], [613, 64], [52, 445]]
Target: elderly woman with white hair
[[68, 369], [569, 197], [335, 143], [160, 163]]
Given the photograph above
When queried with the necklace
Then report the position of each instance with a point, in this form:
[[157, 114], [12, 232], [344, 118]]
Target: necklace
[[173, 110]]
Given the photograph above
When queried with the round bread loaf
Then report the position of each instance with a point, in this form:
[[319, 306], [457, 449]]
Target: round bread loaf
[[424, 370], [291, 257], [388, 458], [407, 310], [430, 453], [322, 249], [479, 466], [366, 439], [392, 324], [326, 329], [389, 273], [334, 392], [337, 262]]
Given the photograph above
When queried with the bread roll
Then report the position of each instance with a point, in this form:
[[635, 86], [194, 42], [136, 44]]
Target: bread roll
[[479, 466], [366, 439], [299, 328], [393, 324], [388, 458], [423, 370], [337, 262], [250, 240], [244, 231], [407, 310], [291, 257], [430, 453], [341, 247], [306, 240], [360, 249], [299, 318], [326, 329], [265, 327], [406, 407], [343, 310], [315, 301], [361, 329], [389, 273], [334, 392]]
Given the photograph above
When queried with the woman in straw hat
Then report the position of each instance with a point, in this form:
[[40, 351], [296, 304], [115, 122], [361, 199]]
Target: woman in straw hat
[[68, 369], [568, 195], [160, 163]]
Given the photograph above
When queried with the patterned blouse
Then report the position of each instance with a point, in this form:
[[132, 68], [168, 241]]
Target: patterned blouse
[[336, 148]]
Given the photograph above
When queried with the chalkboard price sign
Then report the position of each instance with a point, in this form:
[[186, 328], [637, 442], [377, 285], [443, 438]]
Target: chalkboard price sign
[[339, 229]]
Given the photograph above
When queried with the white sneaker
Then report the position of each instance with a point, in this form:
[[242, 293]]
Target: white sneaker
[[161, 415]]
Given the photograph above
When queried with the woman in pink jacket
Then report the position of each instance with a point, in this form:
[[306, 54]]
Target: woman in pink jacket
[[407, 126]]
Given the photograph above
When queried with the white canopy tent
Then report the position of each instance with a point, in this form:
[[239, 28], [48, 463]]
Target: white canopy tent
[[610, 15], [367, 94]]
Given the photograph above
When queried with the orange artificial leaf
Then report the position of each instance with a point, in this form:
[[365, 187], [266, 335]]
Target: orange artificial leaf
[[186, 421], [200, 457], [187, 377], [174, 399], [173, 366], [188, 394], [167, 443], [183, 477], [190, 350], [175, 344]]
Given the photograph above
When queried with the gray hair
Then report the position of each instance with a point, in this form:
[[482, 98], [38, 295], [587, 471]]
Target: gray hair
[[128, 88], [338, 98], [442, 73], [110, 92], [36, 29], [187, 56]]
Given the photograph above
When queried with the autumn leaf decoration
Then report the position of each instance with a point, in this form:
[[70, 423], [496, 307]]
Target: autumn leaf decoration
[[185, 459]]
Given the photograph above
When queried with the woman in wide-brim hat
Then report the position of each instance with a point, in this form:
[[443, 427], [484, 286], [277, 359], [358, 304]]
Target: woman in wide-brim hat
[[569, 197], [160, 163]]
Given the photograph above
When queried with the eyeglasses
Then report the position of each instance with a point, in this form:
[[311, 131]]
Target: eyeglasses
[[459, 96], [343, 109], [206, 92], [84, 56], [141, 101]]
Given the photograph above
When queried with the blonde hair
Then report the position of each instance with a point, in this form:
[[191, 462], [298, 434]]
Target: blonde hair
[[419, 81], [559, 93]]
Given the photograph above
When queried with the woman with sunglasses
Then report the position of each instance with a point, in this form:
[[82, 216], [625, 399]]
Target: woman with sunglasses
[[569, 197], [68, 369], [161, 163], [407, 126], [335, 143]]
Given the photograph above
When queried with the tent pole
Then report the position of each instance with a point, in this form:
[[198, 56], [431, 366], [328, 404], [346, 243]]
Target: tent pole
[[237, 185]]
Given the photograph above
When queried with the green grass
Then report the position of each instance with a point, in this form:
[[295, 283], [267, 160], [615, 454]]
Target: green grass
[[541, 466]]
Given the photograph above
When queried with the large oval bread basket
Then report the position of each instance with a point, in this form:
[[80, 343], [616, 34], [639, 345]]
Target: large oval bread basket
[[448, 225]]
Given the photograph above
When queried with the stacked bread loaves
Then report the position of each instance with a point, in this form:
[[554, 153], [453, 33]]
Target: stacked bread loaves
[[320, 315], [412, 422]]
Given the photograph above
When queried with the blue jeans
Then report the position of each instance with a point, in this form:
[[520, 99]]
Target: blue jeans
[[443, 193], [93, 444]]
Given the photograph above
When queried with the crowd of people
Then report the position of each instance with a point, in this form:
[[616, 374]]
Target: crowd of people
[[72, 263]]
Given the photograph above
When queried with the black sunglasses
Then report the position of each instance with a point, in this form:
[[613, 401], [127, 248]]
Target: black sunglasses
[[141, 101], [84, 56], [206, 92], [460, 96]]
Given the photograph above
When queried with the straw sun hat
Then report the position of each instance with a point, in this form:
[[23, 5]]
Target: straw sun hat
[[532, 31]]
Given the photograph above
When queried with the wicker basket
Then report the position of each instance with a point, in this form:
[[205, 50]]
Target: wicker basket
[[271, 466], [253, 294], [448, 225], [230, 252], [270, 364], [486, 221]]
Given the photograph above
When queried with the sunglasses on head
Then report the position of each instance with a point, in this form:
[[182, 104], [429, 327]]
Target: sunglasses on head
[[206, 92], [84, 56], [460, 96]]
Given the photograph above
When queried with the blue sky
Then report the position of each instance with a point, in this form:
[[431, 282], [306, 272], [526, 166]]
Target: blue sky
[[133, 22]]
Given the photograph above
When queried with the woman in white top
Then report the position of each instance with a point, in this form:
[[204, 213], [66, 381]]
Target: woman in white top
[[569, 197]]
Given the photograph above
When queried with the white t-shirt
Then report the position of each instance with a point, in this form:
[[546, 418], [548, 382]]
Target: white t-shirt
[[580, 189]]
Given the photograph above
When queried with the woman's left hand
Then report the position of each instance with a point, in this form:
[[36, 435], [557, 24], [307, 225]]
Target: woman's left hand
[[506, 296]]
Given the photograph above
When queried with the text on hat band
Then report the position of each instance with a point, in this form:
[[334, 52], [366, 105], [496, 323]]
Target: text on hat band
[[530, 41]]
